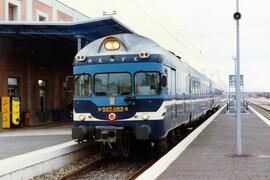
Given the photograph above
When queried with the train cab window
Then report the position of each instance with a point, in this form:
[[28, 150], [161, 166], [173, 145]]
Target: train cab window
[[112, 84], [82, 85], [147, 84], [166, 73]]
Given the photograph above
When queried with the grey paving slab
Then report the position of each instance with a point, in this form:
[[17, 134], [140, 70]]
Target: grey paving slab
[[12, 146], [212, 154], [20, 141]]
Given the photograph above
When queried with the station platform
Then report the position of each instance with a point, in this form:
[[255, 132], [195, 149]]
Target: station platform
[[23, 140], [212, 155]]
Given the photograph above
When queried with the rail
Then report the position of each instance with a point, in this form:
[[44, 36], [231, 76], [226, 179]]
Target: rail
[[259, 108]]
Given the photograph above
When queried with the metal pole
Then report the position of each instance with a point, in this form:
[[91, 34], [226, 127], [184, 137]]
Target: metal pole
[[79, 43], [235, 91], [238, 115]]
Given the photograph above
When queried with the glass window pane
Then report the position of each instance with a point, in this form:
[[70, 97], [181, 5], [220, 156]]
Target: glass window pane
[[113, 84], [42, 93], [147, 84], [101, 84], [41, 83], [82, 85]]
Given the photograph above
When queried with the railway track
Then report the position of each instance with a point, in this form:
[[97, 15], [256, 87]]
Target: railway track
[[112, 168], [262, 110]]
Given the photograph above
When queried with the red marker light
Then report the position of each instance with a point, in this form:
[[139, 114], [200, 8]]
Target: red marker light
[[112, 116]]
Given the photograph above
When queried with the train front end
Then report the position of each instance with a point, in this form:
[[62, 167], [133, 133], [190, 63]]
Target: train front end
[[118, 94]]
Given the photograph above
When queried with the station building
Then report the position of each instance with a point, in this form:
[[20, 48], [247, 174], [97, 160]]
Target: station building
[[35, 57], [38, 10]]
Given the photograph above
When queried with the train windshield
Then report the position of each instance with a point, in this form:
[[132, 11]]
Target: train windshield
[[112, 84], [82, 85], [147, 83]]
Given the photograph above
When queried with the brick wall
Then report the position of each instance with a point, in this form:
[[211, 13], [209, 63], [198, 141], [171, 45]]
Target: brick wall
[[37, 5], [23, 10], [63, 17]]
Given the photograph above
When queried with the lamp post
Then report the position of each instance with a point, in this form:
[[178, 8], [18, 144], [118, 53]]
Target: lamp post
[[234, 85], [237, 17]]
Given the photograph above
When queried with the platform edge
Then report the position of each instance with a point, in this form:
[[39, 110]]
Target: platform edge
[[162, 164]]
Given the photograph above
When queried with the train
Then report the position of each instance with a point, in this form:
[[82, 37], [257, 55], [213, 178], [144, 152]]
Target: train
[[128, 88]]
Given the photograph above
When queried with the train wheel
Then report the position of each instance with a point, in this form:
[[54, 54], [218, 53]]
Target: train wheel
[[162, 145], [172, 138], [104, 149], [125, 144], [142, 147]]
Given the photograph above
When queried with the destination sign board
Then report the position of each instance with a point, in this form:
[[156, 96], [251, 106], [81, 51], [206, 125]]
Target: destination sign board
[[232, 80]]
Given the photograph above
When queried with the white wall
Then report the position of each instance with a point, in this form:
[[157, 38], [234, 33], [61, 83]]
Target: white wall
[[18, 4]]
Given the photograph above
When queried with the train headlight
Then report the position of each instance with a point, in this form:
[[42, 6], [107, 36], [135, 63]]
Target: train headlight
[[82, 117], [112, 116], [112, 44], [80, 58], [145, 116], [144, 55]]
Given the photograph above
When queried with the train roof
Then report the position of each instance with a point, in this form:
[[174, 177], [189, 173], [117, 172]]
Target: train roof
[[135, 44]]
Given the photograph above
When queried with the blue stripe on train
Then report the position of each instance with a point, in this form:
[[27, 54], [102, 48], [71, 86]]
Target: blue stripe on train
[[142, 105]]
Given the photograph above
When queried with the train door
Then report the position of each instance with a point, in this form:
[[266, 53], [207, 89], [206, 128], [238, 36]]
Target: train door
[[173, 93], [180, 96], [188, 99]]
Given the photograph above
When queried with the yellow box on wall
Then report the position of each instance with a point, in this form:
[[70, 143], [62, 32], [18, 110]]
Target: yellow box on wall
[[15, 111], [5, 112]]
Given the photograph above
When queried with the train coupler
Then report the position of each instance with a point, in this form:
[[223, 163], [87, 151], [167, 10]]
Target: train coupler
[[107, 134]]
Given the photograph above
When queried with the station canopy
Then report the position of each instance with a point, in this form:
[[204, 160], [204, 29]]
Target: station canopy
[[89, 30]]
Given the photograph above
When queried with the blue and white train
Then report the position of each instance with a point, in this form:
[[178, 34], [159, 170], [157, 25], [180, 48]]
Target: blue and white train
[[128, 87]]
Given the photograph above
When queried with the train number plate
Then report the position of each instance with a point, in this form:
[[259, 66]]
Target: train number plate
[[113, 109]]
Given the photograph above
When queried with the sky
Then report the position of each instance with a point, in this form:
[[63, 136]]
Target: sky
[[203, 33]]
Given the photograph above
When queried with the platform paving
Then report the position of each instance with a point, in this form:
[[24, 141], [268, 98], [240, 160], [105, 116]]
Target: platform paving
[[212, 155], [19, 141]]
